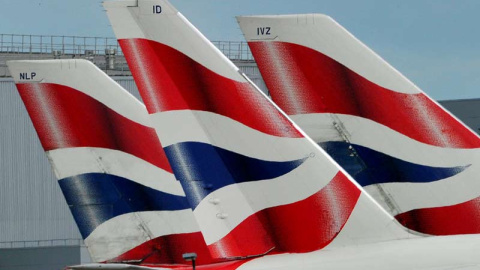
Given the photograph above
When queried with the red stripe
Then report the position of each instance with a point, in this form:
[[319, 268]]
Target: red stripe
[[65, 117], [313, 223], [302, 80], [249, 238], [303, 226], [169, 250], [463, 218], [169, 80]]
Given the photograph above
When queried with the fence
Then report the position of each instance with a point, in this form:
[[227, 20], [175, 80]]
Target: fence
[[234, 50], [42, 243], [37, 44], [91, 46]]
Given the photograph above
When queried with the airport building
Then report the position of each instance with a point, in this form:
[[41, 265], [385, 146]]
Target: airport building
[[37, 230]]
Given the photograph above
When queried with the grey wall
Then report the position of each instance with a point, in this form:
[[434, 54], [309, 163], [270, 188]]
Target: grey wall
[[468, 110], [47, 258], [32, 205]]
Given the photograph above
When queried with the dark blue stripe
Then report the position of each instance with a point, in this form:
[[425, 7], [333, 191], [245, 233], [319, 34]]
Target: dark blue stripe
[[203, 168], [95, 198], [370, 167]]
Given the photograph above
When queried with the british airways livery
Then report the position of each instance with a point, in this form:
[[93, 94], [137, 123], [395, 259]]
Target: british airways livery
[[254, 182], [262, 194], [414, 157], [109, 162]]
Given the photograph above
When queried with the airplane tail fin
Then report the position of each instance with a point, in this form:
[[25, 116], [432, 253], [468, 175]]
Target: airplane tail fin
[[109, 163], [414, 157], [255, 183]]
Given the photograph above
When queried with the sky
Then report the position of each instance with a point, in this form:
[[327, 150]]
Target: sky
[[435, 43]]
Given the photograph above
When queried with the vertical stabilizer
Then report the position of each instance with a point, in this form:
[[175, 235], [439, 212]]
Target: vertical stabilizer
[[109, 163], [415, 158], [254, 182]]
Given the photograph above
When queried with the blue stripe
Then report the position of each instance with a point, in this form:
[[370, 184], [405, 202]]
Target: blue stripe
[[203, 168], [370, 167], [95, 198]]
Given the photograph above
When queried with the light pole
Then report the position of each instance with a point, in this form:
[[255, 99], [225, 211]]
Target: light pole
[[190, 257]]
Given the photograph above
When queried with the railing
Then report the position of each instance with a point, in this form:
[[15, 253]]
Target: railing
[[41, 243], [74, 45], [234, 50], [92, 46]]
